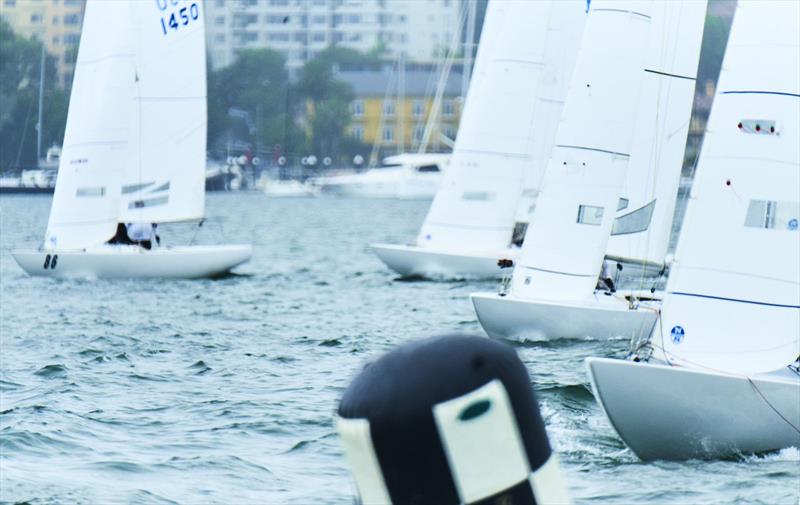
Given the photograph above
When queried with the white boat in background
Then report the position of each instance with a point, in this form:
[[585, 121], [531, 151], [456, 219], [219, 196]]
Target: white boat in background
[[525, 59], [553, 287], [134, 147], [719, 375], [276, 188], [404, 176]]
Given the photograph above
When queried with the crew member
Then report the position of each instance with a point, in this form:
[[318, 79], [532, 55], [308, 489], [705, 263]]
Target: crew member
[[606, 279], [142, 234]]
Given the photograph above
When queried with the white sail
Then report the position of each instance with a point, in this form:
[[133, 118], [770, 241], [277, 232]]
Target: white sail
[[733, 297], [86, 200], [566, 240], [522, 42], [642, 229], [165, 172]]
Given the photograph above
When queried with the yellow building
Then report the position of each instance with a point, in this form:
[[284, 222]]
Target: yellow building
[[396, 124], [57, 23]]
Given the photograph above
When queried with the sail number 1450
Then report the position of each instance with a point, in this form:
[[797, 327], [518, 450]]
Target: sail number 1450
[[178, 18]]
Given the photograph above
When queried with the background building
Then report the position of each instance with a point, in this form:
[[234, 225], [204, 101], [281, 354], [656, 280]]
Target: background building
[[57, 23], [419, 29], [395, 119]]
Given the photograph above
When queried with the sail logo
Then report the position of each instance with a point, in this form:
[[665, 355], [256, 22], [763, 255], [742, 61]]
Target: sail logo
[[792, 224], [677, 334], [180, 16]]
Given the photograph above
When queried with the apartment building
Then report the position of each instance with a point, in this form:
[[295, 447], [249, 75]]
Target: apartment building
[[420, 29], [57, 23]]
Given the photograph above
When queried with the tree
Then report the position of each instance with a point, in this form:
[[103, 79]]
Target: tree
[[329, 100], [251, 103], [19, 93]]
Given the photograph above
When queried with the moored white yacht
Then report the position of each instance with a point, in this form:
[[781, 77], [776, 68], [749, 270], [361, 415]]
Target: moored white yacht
[[718, 376], [553, 287], [403, 176], [525, 58], [134, 147]]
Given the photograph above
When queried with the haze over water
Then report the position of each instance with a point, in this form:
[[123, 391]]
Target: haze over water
[[223, 391]]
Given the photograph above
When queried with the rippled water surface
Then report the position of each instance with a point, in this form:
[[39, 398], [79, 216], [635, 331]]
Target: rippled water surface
[[223, 391]]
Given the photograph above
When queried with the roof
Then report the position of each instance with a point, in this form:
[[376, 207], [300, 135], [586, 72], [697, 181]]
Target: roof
[[418, 82]]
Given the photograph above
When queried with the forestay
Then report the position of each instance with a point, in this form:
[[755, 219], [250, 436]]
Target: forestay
[[165, 171], [522, 42], [86, 200], [568, 235], [642, 229], [733, 297]]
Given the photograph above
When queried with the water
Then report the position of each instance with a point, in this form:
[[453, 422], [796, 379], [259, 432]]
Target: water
[[223, 391]]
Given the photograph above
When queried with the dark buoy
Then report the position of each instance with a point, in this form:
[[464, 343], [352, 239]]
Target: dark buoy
[[448, 420]]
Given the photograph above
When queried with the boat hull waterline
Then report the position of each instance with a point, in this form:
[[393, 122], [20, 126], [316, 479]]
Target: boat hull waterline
[[414, 261], [672, 413], [125, 262], [602, 317]]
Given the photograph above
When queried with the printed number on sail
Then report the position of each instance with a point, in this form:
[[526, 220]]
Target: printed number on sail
[[180, 16]]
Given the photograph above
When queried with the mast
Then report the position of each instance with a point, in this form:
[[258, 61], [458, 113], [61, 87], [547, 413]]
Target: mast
[[41, 101], [469, 47], [401, 103]]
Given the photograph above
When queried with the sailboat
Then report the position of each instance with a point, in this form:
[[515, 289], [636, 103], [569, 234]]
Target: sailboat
[[134, 147], [719, 374], [525, 58], [552, 290]]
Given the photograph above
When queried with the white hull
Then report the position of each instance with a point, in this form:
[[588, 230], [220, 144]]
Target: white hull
[[601, 317], [125, 262], [672, 413], [410, 261], [289, 189], [402, 183]]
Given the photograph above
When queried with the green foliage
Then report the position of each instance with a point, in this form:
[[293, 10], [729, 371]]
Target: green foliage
[[330, 100], [258, 85], [19, 93]]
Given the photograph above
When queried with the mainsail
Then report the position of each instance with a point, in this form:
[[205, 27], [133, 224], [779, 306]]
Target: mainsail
[[568, 234], [525, 50], [86, 200], [733, 296], [165, 171]]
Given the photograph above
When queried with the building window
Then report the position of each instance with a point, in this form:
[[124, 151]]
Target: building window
[[278, 37], [10, 3], [280, 3], [388, 108], [354, 19], [72, 19], [358, 133], [772, 215], [419, 131], [55, 20], [220, 37], [219, 20], [447, 108], [418, 108], [278, 19], [588, 214], [358, 108], [450, 132], [56, 40], [36, 18], [220, 3], [634, 222], [318, 20], [388, 134], [318, 37], [72, 39]]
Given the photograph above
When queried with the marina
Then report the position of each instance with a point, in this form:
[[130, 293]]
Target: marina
[[593, 297]]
